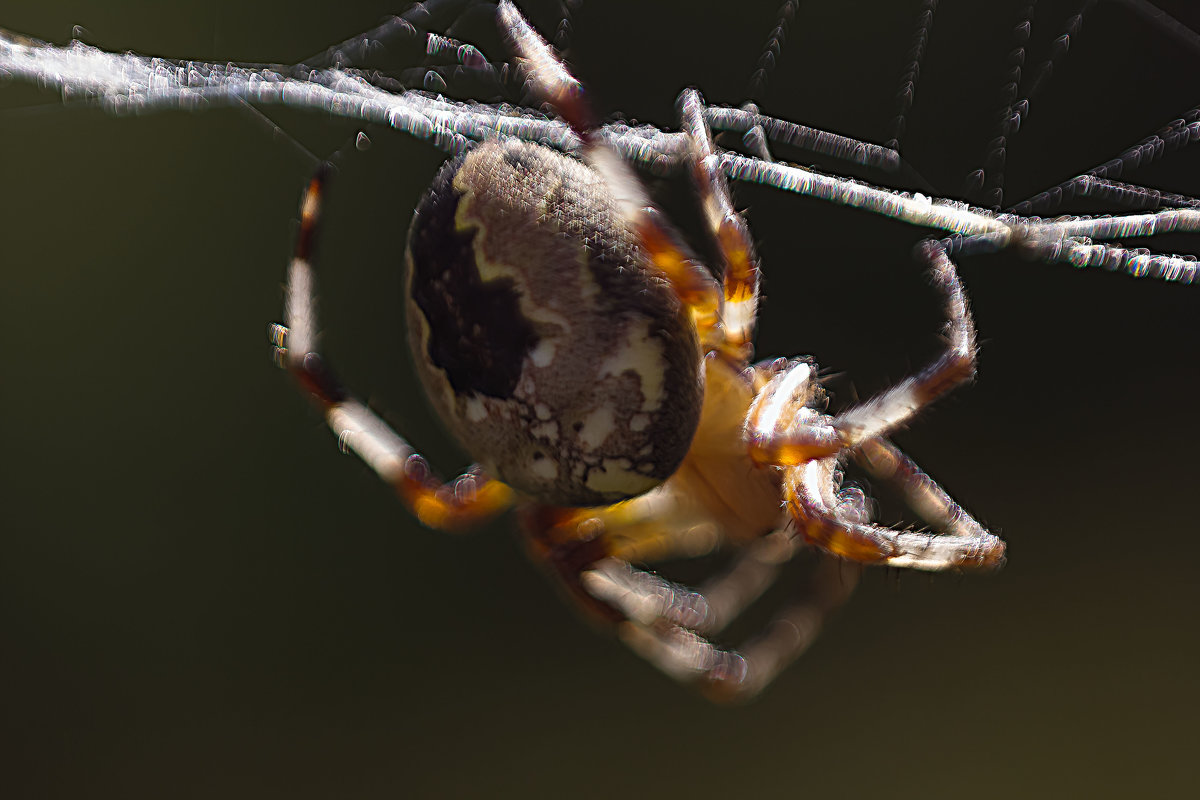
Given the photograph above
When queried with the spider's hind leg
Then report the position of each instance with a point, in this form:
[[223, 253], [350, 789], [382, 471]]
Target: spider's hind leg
[[671, 625], [739, 675], [469, 499]]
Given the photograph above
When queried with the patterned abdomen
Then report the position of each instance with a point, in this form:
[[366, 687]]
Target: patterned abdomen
[[551, 348]]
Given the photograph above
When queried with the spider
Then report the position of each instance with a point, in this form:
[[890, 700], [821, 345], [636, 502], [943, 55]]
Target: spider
[[755, 466], [605, 384]]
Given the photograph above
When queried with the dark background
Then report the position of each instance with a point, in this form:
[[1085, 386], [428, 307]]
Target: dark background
[[199, 597]]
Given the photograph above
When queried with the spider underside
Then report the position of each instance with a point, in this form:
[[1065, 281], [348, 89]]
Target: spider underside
[[752, 460]]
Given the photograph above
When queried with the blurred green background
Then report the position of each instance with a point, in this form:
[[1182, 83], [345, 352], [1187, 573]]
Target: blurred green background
[[200, 597]]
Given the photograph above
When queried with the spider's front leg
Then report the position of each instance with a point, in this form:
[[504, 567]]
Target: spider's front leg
[[784, 429], [471, 498], [740, 273]]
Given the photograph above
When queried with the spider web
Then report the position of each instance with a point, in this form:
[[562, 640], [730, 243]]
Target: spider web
[[129, 84]]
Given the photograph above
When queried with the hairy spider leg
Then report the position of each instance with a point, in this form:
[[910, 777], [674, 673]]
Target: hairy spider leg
[[740, 270], [774, 441], [819, 509], [647, 599], [737, 676], [671, 625], [467, 500], [785, 429], [884, 461]]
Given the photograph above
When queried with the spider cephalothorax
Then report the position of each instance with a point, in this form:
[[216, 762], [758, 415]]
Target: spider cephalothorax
[[581, 353], [552, 347]]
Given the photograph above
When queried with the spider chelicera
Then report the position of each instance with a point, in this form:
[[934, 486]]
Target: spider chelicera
[[603, 380]]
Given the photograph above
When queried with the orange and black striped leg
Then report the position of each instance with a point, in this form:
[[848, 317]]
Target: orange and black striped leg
[[549, 79], [470, 498], [772, 430], [740, 271], [815, 501], [785, 422]]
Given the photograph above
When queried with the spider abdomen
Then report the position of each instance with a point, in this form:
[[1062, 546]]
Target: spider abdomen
[[550, 346]]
